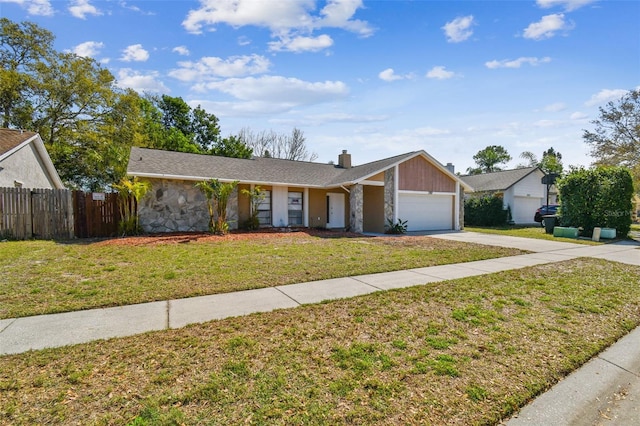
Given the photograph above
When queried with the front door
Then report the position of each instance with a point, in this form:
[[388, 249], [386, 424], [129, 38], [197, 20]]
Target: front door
[[335, 210]]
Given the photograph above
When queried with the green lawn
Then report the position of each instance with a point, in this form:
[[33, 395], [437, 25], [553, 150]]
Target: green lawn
[[461, 352], [528, 232], [46, 277]]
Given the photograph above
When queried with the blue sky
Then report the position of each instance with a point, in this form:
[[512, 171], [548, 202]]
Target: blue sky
[[377, 78]]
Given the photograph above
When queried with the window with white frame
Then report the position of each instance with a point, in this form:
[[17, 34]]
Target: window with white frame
[[264, 209], [295, 209]]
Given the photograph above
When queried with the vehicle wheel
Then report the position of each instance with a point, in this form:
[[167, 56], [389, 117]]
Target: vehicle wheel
[[542, 223]]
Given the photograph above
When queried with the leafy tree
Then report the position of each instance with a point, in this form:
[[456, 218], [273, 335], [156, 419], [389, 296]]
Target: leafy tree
[[86, 122], [24, 48], [217, 194], [206, 130], [273, 145], [231, 146], [551, 161], [615, 141], [174, 126], [488, 159]]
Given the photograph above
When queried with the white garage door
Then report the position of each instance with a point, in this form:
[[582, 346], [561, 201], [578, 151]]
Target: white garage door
[[524, 208], [425, 212]]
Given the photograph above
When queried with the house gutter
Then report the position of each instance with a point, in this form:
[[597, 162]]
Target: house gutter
[[201, 178]]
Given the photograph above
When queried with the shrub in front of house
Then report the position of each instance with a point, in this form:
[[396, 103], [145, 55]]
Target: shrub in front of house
[[599, 197], [485, 210]]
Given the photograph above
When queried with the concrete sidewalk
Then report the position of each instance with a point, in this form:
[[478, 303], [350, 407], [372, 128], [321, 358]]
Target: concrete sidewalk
[[46, 331], [613, 378]]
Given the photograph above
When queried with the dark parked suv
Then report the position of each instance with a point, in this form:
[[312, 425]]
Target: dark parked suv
[[545, 210]]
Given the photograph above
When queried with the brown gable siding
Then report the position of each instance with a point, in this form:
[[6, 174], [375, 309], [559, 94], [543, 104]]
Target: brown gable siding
[[379, 177], [417, 174]]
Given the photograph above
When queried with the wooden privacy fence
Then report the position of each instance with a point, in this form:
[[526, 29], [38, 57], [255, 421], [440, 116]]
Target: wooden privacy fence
[[57, 214], [96, 214], [36, 213]]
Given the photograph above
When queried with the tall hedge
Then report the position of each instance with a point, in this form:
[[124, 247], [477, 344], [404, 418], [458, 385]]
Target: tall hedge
[[599, 197], [486, 210]]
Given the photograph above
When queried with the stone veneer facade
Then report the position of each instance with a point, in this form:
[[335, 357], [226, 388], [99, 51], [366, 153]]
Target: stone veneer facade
[[356, 204], [178, 206], [389, 195]]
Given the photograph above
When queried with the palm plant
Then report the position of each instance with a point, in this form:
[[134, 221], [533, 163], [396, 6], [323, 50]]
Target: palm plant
[[217, 194], [131, 192]]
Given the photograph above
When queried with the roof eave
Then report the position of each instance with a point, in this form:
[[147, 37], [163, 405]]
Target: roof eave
[[201, 178]]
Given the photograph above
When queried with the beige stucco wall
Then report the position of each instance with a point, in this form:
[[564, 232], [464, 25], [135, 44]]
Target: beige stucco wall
[[373, 219], [318, 207], [24, 166]]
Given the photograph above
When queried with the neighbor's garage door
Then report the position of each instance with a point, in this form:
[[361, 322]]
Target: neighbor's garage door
[[425, 212], [524, 209]]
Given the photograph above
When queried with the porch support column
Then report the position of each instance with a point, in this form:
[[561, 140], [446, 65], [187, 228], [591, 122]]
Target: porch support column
[[460, 191], [389, 196], [356, 204], [232, 209], [305, 208]]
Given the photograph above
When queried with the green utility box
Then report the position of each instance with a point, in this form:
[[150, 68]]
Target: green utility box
[[608, 233], [565, 231]]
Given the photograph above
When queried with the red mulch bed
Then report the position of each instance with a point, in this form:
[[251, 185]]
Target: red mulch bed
[[187, 237]]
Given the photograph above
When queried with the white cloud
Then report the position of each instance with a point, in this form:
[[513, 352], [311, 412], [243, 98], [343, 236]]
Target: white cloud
[[339, 13], [389, 75], [330, 118], [459, 29], [131, 79], [212, 68], [556, 107], [578, 116], [34, 7], [82, 8], [547, 27], [281, 90], [606, 95], [278, 16], [301, 44], [440, 73], [134, 53], [292, 22], [516, 63], [88, 49], [568, 5], [181, 50]]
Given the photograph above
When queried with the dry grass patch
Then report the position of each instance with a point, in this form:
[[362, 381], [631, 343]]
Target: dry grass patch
[[46, 277], [462, 352]]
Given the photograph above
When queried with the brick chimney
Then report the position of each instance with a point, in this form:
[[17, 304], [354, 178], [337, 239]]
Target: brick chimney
[[344, 160]]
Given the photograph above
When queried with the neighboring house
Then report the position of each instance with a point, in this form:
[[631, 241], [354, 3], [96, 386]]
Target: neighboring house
[[412, 187], [522, 190], [24, 161]]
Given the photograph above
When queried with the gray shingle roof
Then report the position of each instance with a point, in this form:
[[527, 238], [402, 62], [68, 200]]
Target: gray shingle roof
[[179, 165], [497, 181]]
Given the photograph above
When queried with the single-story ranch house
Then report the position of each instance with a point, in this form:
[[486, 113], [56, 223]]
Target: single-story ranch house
[[411, 187], [522, 190]]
